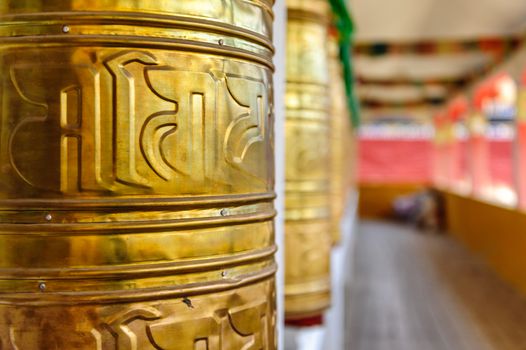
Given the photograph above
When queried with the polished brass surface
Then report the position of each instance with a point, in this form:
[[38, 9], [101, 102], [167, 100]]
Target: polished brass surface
[[340, 140], [136, 175], [307, 196]]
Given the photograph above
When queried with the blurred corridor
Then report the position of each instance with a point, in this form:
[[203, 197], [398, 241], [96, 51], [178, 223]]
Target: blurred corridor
[[422, 291], [438, 143], [263, 174]]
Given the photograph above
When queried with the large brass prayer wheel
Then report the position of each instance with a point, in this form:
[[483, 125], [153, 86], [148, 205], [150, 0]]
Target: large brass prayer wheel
[[340, 132], [350, 161], [307, 191], [136, 175]]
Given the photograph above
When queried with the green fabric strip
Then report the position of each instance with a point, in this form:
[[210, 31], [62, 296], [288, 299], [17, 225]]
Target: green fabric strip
[[345, 26]]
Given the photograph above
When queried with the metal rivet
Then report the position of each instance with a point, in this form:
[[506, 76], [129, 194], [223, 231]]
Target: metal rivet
[[42, 286], [224, 212], [48, 217], [221, 42], [65, 29], [188, 302]]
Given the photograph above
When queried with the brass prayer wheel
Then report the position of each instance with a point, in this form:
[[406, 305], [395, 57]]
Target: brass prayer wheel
[[350, 160], [307, 175], [136, 175], [340, 139]]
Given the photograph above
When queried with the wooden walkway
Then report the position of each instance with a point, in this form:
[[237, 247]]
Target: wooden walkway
[[415, 291]]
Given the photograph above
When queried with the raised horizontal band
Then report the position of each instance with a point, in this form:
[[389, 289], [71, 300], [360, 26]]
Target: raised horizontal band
[[56, 20], [306, 15], [133, 202], [131, 295], [74, 229], [114, 271], [138, 42]]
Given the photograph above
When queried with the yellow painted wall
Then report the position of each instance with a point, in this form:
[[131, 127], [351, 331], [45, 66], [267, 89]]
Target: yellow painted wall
[[495, 233]]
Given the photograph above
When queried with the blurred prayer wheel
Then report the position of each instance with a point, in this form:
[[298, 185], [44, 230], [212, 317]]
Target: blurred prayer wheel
[[136, 175], [350, 161], [340, 131], [307, 196]]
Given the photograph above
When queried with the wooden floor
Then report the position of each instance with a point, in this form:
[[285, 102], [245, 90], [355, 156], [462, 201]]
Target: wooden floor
[[414, 291]]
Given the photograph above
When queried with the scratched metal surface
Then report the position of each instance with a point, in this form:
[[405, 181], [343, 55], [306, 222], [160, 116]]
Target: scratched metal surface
[[136, 175]]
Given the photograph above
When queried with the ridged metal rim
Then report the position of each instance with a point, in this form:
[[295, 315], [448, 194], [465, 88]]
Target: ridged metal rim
[[126, 296], [67, 19], [134, 201], [138, 19]]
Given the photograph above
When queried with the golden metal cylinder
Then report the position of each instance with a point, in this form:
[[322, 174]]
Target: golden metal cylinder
[[307, 197], [340, 132], [136, 175], [350, 167]]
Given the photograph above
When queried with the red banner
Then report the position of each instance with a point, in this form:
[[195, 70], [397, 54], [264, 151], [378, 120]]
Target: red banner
[[389, 161]]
